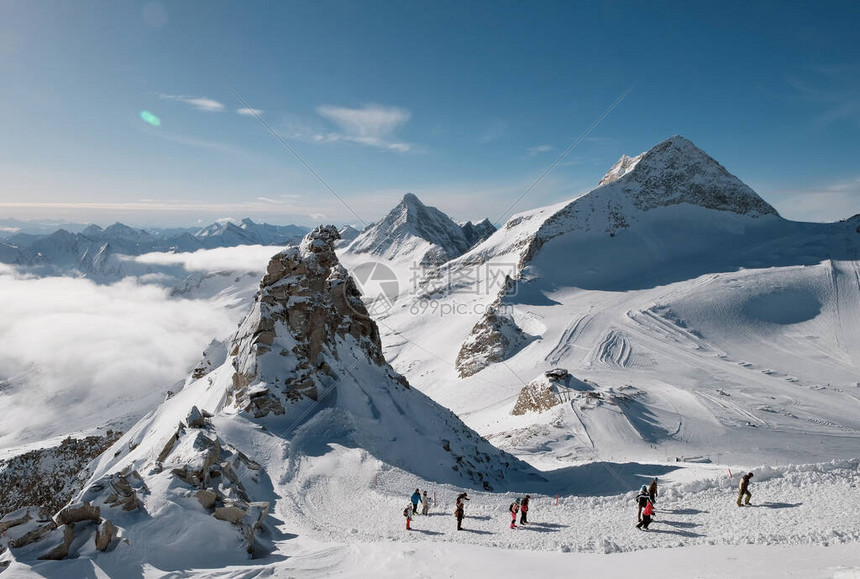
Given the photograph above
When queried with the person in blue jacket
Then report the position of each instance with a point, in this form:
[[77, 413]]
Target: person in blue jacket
[[416, 498]]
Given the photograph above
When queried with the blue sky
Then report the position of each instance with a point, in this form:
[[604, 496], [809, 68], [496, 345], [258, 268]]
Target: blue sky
[[463, 103]]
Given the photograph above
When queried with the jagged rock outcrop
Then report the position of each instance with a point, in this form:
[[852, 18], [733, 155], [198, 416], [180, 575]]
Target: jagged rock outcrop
[[105, 535], [548, 390], [307, 302], [495, 338]]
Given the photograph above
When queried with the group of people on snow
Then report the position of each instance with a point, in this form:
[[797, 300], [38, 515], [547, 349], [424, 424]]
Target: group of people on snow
[[521, 506], [412, 509], [645, 501]]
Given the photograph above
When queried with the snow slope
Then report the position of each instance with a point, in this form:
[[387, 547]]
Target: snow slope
[[710, 326]]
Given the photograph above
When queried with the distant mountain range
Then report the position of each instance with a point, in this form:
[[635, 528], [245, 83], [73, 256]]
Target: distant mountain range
[[93, 251]]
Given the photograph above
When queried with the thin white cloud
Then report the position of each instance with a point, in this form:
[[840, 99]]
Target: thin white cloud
[[540, 149], [272, 201], [371, 125], [249, 112], [241, 258], [204, 104]]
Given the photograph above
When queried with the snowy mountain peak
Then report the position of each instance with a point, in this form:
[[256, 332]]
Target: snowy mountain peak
[[411, 199], [410, 228], [415, 231], [677, 171]]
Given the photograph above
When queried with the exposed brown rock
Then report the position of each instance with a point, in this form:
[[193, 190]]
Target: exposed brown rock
[[77, 513], [548, 390], [495, 338], [307, 302], [230, 513], [207, 498], [105, 535], [49, 477]]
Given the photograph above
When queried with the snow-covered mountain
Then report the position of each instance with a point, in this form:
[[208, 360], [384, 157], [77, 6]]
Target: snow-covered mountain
[[302, 383], [247, 232], [692, 308], [101, 254], [347, 233], [417, 232], [667, 324]]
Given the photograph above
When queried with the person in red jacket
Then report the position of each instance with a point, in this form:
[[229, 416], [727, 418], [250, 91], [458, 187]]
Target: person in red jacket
[[646, 508], [515, 506], [524, 510]]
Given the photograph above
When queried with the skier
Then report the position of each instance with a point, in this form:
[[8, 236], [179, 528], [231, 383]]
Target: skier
[[416, 498], [647, 513], [459, 514], [515, 506], [643, 499], [407, 512], [743, 489], [652, 490], [425, 503], [524, 509]]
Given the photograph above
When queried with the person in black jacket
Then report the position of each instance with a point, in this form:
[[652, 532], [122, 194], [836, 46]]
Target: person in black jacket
[[459, 513], [524, 509], [646, 508]]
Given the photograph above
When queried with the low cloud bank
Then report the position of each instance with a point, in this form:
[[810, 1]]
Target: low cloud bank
[[77, 354], [240, 258]]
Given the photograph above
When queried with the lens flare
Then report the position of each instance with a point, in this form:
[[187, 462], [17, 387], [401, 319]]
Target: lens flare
[[150, 118]]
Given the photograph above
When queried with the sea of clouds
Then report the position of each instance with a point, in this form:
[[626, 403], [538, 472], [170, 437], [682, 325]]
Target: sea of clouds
[[77, 355]]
